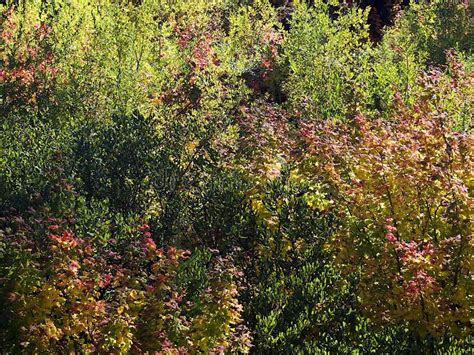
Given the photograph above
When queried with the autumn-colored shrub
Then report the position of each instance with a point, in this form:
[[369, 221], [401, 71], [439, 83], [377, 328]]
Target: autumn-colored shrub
[[403, 188], [63, 293], [28, 72]]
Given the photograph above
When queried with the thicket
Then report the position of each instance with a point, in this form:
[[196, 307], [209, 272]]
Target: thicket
[[227, 176]]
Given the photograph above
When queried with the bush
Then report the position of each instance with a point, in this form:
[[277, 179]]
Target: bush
[[235, 176], [412, 238], [65, 293]]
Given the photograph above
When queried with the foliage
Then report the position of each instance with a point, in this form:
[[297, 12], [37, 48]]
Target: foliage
[[325, 58], [405, 191], [230, 176], [64, 293]]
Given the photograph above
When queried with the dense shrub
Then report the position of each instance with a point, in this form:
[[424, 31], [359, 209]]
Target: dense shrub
[[64, 293], [404, 190], [229, 176]]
